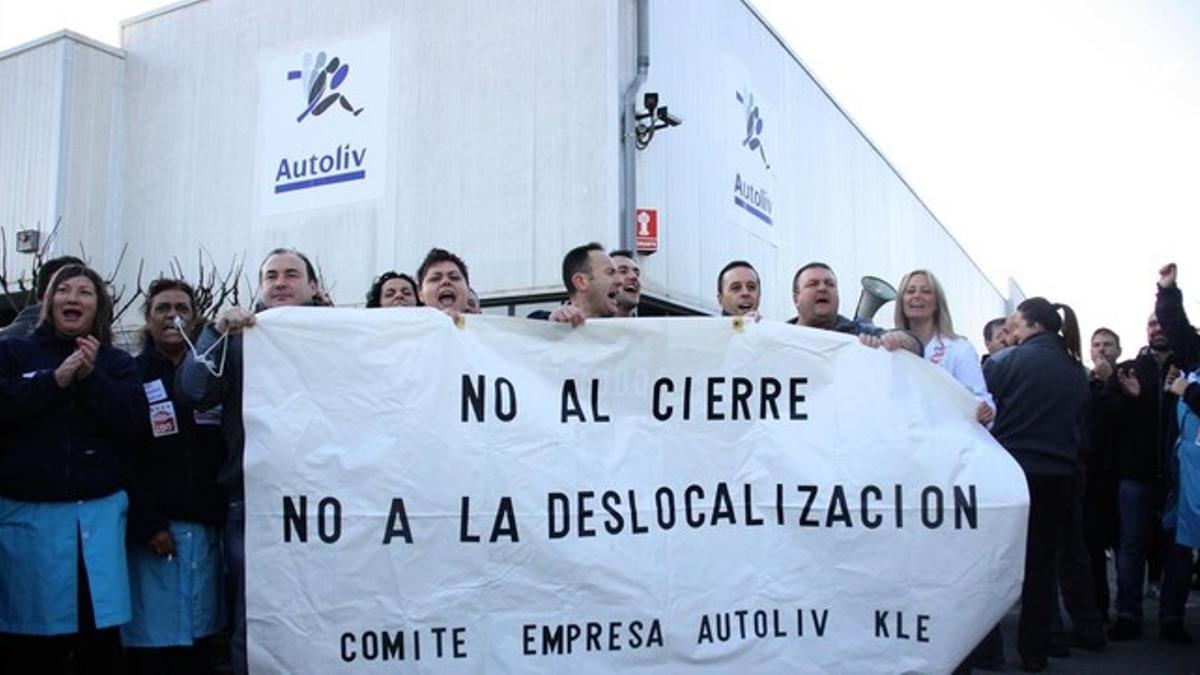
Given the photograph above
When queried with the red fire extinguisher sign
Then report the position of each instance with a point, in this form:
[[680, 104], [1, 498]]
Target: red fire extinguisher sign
[[647, 230]]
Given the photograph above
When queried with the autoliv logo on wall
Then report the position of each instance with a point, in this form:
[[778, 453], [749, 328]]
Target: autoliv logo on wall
[[753, 168], [324, 125]]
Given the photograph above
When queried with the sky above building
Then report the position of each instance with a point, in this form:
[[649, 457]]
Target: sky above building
[[1057, 140]]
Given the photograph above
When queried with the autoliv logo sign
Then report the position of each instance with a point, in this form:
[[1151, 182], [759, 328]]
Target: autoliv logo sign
[[749, 183], [324, 125]]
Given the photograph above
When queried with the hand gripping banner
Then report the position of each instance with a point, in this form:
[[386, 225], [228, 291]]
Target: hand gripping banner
[[647, 495]]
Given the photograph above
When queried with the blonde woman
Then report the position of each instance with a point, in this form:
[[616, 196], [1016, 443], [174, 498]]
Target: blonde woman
[[922, 309]]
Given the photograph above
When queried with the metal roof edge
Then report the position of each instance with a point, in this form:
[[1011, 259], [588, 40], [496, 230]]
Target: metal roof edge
[[64, 34], [155, 13]]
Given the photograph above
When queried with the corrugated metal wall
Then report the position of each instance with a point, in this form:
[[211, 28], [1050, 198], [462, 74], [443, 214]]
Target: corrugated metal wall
[[502, 144], [57, 145]]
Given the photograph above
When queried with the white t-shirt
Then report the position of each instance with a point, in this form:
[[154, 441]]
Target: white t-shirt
[[959, 358]]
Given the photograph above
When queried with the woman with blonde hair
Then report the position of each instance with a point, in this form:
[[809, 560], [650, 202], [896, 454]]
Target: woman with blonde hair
[[922, 309]]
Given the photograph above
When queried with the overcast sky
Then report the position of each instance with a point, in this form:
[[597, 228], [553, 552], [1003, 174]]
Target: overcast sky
[[1057, 140]]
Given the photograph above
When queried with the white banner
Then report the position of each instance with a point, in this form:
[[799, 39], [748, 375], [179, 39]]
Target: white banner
[[651, 494]]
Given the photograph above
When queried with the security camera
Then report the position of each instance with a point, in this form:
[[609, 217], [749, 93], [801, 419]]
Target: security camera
[[652, 120], [667, 118]]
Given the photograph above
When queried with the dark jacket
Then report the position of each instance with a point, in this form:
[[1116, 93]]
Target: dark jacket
[[24, 323], [1181, 334], [850, 326], [65, 444], [1103, 428], [1041, 398], [175, 469], [1145, 427]]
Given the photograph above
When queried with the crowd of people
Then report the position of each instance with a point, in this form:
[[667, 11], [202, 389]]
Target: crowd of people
[[122, 500]]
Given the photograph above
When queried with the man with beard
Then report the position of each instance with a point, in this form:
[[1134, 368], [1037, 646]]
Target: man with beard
[[1100, 484], [629, 283], [1182, 524], [286, 278], [1146, 416], [592, 287], [815, 294], [739, 290]]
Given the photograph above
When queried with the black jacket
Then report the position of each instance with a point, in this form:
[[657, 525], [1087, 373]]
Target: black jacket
[[174, 470], [1100, 455], [1181, 334], [1145, 427], [1041, 398], [65, 444], [24, 323]]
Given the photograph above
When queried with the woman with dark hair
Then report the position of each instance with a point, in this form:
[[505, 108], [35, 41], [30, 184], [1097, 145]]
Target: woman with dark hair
[[73, 410], [393, 289], [177, 508], [922, 309], [1041, 394]]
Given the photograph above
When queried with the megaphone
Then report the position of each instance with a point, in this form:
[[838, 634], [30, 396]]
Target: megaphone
[[875, 294]]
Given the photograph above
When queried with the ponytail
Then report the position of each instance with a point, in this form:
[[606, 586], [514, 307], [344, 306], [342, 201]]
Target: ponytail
[[1041, 311], [1070, 331]]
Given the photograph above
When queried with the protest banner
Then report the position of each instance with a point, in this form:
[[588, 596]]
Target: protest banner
[[508, 495]]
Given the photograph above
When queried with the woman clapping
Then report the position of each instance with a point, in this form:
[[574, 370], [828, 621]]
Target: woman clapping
[[73, 409]]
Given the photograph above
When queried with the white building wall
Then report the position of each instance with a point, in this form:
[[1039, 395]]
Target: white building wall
[[56, 144], [28, 169], [89, 156], [502, 143]]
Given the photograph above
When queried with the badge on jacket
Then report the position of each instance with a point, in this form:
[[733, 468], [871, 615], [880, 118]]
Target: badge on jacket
[[162, 419], [155, 391]]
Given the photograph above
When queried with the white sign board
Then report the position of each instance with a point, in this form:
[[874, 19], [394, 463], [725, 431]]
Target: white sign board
[[323, 125], [519, 496]]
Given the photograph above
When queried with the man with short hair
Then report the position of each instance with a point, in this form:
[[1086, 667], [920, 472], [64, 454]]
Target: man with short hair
[[1105, 350], [1099, 507], [27, 319], [286, 278], [1011, 324], [1146, 441], [815, 294], [1180, 530], [994, 334], [739, 290], [629, 282], [591, 281]]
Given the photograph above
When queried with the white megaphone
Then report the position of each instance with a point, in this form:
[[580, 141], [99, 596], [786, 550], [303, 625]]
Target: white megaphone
[[875, 294]]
